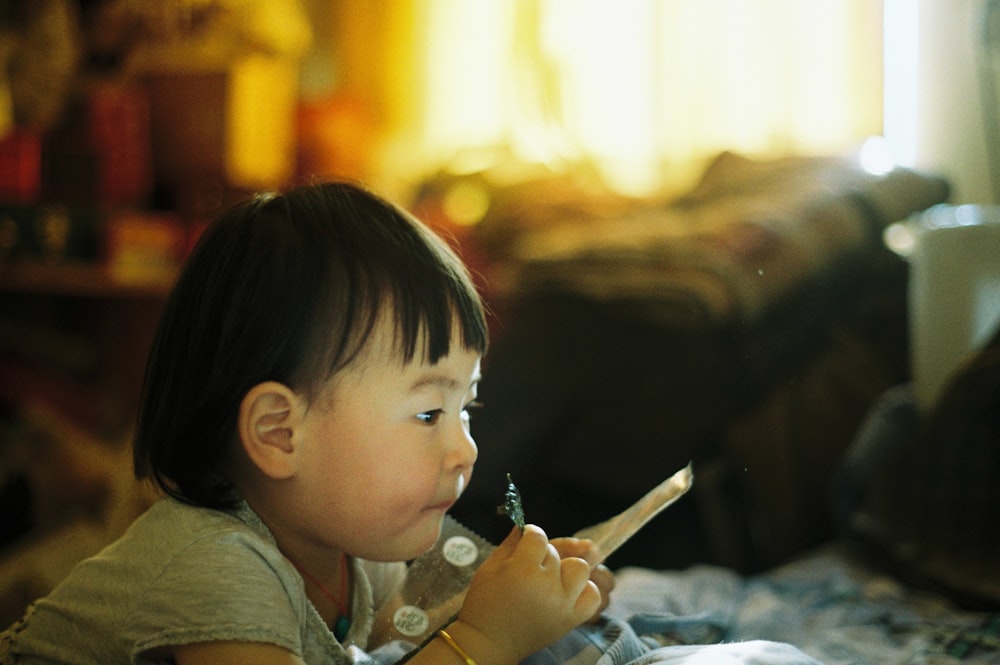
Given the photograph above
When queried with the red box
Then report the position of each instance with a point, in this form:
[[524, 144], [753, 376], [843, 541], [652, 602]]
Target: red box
[[20, 166]]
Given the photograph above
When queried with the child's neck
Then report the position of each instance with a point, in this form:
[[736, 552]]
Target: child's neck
[[326, 575], [330, 595]]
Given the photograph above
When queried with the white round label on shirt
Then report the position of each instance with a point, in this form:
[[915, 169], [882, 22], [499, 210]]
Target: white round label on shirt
[[411, 621], [460, 551]]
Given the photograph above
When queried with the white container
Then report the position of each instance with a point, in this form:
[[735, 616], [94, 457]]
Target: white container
[[954, 297]]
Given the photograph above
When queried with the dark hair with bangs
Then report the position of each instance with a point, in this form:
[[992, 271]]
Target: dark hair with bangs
[[287, 288]]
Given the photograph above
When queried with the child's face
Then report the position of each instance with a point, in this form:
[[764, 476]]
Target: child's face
[[389, 450]]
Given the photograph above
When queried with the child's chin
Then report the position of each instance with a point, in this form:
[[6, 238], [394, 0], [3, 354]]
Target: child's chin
[[421, 541], [434, 536]]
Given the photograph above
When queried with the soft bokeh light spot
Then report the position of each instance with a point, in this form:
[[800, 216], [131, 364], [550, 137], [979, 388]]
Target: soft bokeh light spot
[[900, 238], [876, 157], [466, 203]]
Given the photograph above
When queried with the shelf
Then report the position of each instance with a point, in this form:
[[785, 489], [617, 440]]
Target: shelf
[[84, 280]]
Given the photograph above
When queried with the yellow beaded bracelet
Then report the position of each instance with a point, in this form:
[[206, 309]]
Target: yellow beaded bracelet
[[450, 641]]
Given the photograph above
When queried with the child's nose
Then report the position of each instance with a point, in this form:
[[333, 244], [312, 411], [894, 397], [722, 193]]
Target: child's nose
[[462, 451]]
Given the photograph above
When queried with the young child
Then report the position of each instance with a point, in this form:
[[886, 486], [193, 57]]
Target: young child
[[306, 412]]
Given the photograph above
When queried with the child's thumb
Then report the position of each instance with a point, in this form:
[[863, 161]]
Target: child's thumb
[[509, 544]]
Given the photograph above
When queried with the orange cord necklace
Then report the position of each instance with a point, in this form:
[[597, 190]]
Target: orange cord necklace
[[342, 624]]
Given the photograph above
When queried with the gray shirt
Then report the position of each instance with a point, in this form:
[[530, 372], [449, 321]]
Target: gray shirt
[[182, 575]]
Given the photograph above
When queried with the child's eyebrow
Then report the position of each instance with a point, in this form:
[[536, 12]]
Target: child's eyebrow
[[437, 380]]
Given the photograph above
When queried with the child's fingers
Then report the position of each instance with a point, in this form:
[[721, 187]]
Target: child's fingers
[[533, 546], [571, 546], [509, 544], [578, 547], [588, 603], [575, 574], [603, 578], [551, 558], [577, 583]]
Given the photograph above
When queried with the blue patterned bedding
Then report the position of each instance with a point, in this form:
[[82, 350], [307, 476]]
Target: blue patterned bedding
[[830, 605]]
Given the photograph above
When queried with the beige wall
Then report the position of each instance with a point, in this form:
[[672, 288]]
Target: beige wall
[[950, 122]]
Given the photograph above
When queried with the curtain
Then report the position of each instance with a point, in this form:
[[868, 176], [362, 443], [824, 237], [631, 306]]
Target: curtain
[[646, 91]]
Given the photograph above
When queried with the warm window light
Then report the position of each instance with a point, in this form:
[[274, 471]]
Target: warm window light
[[608, 98], [647, 90], [900, 62], [467, 75]]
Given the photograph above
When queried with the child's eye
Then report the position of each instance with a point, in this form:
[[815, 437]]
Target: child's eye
[[429, 417]]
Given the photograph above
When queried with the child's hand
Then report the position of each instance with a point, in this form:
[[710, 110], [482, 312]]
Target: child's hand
[[526, 596], [600, 575]]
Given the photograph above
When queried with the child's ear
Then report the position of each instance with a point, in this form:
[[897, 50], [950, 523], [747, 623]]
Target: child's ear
[[269, 414]]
